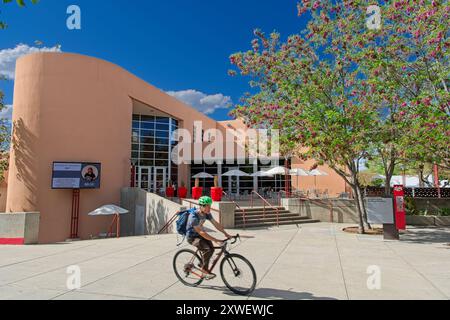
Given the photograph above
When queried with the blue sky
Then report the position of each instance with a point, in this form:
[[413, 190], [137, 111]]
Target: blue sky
[[175, 45]]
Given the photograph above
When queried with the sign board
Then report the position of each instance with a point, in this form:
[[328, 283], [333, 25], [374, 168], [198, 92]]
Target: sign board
[[399, 207], [76, 175], [380, 210]]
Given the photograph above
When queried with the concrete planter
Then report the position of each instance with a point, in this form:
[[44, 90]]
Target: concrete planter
[[19, 228], [420, 221], [442, 221]]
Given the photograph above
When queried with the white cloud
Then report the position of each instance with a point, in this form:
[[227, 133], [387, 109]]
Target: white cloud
[[207, 104], [8, 57], [6, 113]]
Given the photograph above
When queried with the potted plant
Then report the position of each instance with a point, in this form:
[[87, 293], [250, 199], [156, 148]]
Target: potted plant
[[197, 191], [170, 190], [216, 192], [182, 191]]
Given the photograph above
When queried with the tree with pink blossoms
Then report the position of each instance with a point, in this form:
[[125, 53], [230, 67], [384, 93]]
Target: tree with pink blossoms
[[339, 91]]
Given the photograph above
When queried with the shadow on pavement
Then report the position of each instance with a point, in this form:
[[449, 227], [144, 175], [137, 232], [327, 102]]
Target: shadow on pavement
[[273, 294], [428, 235]]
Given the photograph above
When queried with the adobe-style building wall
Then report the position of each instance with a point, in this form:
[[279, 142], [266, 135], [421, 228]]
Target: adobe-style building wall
[[69, 107]]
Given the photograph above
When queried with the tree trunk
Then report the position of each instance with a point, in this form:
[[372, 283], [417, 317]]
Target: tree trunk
[[360, 199], [356, 191]]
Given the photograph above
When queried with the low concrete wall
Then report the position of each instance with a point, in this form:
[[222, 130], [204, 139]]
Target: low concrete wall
[[337, 211], [19, 228], [148, 212], [431, 205], [428, 221]]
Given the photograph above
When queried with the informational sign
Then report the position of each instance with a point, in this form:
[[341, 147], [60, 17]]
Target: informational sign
[[399, 207], [380, 210], [75, 175]]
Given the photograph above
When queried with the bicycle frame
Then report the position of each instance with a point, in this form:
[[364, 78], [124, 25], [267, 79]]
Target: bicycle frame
[[223, 252]]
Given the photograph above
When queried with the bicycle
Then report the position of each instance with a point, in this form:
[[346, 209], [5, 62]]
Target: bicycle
[[233, 267]]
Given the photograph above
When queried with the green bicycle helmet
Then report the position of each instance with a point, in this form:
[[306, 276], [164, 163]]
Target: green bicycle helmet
[[205, 201]]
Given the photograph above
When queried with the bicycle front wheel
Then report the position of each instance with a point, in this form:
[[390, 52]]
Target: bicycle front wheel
[[186, 265], [238, 274]]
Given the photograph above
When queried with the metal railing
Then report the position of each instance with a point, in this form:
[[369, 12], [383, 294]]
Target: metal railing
[[266, 203], [244, 213]]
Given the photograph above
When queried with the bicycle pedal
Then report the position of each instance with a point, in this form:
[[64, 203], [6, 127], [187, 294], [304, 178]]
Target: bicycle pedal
[[210, 276]]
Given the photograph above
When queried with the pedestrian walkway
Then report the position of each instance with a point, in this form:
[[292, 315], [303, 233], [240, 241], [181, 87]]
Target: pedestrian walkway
[[316, 261]]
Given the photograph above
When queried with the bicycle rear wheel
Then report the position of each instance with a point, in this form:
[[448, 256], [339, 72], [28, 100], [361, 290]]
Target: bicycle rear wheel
[[186, 266], [238, 274]]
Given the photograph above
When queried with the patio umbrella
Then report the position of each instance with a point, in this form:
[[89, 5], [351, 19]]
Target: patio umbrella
[[236, 173], [261, 174], [278, 171], [317, 173], [298, 173], [108, 210], [203, 175], [111, 210]]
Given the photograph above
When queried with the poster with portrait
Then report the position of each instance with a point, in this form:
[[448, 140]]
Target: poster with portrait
[[73, 175]]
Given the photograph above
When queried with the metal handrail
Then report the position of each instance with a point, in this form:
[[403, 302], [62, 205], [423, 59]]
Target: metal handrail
[[268, 203], [244, 213]]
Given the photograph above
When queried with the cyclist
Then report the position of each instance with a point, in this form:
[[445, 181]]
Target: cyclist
[[199, 238]]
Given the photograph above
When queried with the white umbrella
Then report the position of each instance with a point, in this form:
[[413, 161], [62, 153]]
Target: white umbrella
[[277, 171], [108, 210], [236, 173], [317, 173], [203, 175], [261, 174], [111, 210], [299, 173]]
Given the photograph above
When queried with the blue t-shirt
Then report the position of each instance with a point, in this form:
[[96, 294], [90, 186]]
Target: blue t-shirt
[[195, 219]]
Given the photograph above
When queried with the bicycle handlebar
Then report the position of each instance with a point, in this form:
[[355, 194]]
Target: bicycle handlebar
[[235, 239]]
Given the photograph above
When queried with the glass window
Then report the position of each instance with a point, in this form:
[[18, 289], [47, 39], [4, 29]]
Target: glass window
[[147, 140], [146, 163], [162, 134], [136, 124], [161, 163], [135, 147], [164, 127], [161, 148], [147, 133], [147, 148], [147, 126], [162, 156], [136, 117], [134, 154], [147, 155], [148, 118], [161, 141], [162, 120]]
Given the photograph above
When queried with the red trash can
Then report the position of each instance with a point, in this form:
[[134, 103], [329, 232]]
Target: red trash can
[[182, 193], [216, 194], [170, 192], [197, 193]]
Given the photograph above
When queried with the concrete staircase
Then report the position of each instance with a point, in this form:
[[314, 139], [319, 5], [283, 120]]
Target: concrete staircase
[[254, 218]]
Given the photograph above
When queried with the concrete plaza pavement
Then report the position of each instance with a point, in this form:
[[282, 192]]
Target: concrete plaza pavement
[[316, 261]]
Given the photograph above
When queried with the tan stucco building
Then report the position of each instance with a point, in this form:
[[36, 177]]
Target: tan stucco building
[[73, 108]]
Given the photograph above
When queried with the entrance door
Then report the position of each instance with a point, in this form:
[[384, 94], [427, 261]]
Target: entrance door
[[152, 179], [160, 181], [145, 178]]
